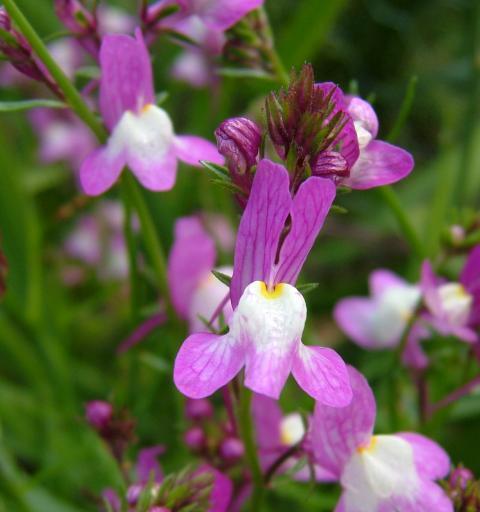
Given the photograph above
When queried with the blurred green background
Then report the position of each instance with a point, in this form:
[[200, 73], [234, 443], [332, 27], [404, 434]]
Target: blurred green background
[[57, 345]]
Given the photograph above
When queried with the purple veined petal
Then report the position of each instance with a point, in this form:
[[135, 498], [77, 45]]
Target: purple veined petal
[[379, 163], [361, 111], [260, 227], [222, 489], [206, 362], [148, 466], [382, 279], [267, 417], [126, 76], [337, 432], [322, 374], [355, 316], [100, 170], [309, 209], [222, 14], [191, 149], [184, 271], [430, 497], [445, 328], [431, 460]]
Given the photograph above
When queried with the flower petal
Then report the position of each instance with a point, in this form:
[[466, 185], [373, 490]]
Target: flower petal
[[309, 209], [382, 279], [380, 163], [431, 460], [430, 497], [429, 282], [222, 14], [185, 272], [148, 466], [222, 490], [126, 82], [206, 362], [413, 355], [154, 172], [355, 316], [191, 150], [262, 223], [361, 111], [337, 432], [100, 170], [322, 374], [267, 417]]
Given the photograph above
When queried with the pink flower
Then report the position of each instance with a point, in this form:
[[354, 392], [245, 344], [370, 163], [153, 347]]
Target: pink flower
[[379, 163], [378, 473], [454, 307], [196, 292], [141, 134], [268, 311]]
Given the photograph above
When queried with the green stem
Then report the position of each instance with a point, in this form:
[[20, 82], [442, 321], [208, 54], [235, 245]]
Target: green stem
[[151, 239], [132, 254], [78, 105], [72, 96], [247, 433], [272, 54], [410, 233]]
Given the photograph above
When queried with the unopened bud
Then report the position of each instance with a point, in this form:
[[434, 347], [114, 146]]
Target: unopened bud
[[460, 477], [238, 140], [197, 410], [232, 449], [99, 414], [133, 493], [195, 438]]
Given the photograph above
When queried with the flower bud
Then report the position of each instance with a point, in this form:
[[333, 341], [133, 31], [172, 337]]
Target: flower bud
[[197, 410], [99, 414], [238, 140], [81, 22], [74, 16], [133, 493], [17, 49], [195, 438], [460, 477], [232, 449]]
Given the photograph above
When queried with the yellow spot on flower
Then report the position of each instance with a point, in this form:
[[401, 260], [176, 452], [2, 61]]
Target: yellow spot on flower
[[146, 108], [271, 294], [368, 448]]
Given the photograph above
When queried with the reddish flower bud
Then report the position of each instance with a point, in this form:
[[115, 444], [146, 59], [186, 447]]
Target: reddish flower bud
[[99, 414], [197, 410], [238, 140], [195, 438], [232, 449]]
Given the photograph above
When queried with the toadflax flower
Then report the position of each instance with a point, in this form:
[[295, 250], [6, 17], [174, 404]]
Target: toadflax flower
[[454, 307], [141, 134], [379, 321], [275, 236], [196, 292], [378, 473], [379, 163]]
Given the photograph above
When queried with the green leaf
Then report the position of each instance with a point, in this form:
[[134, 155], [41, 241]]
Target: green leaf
[[89, 72], [161, 97], [307, 287], [16, 106], [245, 73], [219, 170], [338, 209], [223, 278]]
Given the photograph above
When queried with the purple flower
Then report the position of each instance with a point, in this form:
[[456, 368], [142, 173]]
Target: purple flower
[[99, 414], [269, 313], [196, 292], [454, 307], [378, 473], [379, 162], [142, 135], [238, 140]]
